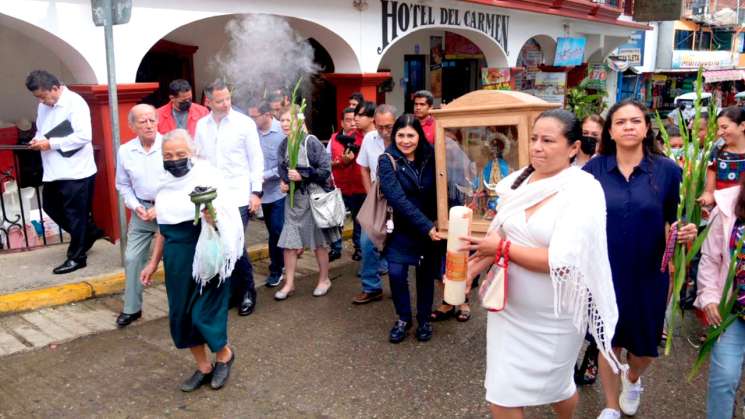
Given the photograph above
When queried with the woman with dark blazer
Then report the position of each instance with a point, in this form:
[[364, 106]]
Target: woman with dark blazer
[[406, 172]]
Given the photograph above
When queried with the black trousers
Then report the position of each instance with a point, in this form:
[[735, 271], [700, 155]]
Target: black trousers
[[242, 278], [68, 203]]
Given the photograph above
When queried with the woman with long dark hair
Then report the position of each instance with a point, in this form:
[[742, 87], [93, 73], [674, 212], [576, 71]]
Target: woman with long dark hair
[[641, 188], [551, 225], [407, 179]]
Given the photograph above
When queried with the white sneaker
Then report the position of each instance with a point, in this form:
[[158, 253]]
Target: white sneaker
[[631, 395], [609, 414]]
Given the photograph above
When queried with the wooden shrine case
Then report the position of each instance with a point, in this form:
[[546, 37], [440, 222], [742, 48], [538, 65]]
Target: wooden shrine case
[[481, 137]]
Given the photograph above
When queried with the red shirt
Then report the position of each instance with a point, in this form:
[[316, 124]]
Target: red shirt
[[167, 123], [428, 125], [347, 178]]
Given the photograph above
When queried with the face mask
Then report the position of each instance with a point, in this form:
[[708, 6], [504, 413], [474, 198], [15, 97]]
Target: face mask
[[184, 106], [587, 145], [178, 167], [676, 153]]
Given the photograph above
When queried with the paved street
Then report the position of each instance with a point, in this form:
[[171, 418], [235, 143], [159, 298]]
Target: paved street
[[305, 357]]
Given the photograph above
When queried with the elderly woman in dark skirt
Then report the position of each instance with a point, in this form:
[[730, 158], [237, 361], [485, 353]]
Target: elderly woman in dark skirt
[[409, 187], [197, 307]]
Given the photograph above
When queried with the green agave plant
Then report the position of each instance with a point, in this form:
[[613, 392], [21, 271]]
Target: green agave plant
[[296, 135], [695, 161]]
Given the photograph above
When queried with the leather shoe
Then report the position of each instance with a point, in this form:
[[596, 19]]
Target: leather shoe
[[424, 332], [221, 372], [367, 297], [398, 332], [357, 255], [69, 266], [247, 304], [196, 381], [125, 319], [334, 255]]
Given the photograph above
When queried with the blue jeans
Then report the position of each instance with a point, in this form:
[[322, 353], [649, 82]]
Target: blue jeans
[[371, 260], [274, 218], [242, 278], [725, 372], [425, 290]]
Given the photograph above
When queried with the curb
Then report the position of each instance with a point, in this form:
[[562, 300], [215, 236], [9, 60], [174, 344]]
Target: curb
[[98, 286]]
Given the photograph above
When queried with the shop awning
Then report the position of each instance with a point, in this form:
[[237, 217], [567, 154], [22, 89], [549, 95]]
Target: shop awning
[[714, 76]]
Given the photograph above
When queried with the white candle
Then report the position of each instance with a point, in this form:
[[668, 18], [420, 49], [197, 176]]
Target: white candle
[[456, 261]]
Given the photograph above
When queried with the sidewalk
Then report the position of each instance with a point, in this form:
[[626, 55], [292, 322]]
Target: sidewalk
[[27, 281], [52, 326]]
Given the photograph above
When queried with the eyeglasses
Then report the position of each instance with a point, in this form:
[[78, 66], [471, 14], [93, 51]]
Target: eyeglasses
[[384, 127]]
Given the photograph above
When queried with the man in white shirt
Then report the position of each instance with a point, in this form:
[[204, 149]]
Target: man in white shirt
[[373, 145], [139, 168], [67, 159], [230, 141]]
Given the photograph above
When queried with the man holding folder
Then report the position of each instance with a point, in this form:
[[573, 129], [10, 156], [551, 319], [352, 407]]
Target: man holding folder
[[63, 136]]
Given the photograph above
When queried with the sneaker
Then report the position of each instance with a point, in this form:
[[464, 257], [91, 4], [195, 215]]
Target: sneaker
[[609, 414], [274, 280], [367, 297], [424, 332], [631, 395], [398, 332]]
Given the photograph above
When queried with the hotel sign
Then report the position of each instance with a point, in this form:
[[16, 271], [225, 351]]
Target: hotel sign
[[398, 18]]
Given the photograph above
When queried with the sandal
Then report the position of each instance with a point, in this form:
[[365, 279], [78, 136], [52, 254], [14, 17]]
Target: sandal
[[439, 315], [463, 315]]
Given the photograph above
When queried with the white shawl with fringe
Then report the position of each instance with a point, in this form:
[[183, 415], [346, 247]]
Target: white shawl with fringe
[[173, 206], [578, 252]]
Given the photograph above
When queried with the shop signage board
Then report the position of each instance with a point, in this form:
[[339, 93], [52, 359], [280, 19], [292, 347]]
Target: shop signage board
[[495, 78], [569, 51], [695, 59], [436, 55], [399, 18], [657, 10], [550, 87], [597, 75], [633, 50]]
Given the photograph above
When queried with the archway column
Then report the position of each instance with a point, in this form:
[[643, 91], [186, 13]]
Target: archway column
[[346, 84], [104, 204]]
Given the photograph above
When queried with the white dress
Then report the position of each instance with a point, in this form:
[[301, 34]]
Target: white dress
[[530, 353]]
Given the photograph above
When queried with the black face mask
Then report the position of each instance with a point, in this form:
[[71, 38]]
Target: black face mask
[[587, 145], [178, 167], [184, 106]]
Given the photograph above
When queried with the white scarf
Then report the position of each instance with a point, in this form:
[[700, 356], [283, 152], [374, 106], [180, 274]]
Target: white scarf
[[173, 206], [578, 252]]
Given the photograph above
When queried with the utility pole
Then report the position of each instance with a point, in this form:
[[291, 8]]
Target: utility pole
[[103, 15]]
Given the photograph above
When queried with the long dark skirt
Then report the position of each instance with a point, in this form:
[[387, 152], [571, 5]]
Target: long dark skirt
[[195, 317]]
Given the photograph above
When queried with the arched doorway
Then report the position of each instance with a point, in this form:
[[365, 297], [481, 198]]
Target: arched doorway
[[190, 52], [26, 47], [446, 61]]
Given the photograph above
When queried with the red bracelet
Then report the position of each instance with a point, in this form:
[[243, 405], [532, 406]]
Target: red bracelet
[[506, 252], [498, 255]]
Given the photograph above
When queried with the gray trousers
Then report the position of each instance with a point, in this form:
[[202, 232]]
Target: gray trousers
[[139, 238]]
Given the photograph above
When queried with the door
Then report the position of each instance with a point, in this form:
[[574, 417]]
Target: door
[[415, 79], [458, 78]]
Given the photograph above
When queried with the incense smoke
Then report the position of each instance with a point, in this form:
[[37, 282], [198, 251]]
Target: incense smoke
[[263, 54]]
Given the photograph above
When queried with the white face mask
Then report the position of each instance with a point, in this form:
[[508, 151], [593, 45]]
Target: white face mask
[[676, 152]]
